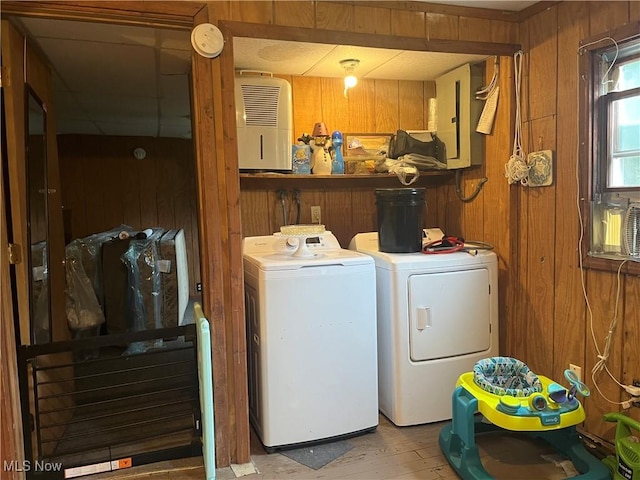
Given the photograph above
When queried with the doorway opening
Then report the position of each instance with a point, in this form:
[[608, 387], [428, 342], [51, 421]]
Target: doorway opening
[[118, 381]]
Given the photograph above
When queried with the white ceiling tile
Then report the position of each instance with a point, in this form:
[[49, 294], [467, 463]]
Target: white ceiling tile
[[510, 5], [89, 31], [79, 127], [58, 84], [68, 107], [287, 58], [128, 79], [174, 103], [174, 62], [133, 128], [104, 68], [172, 131], [174, 86], [113, 107], [423, 66], [175, 40], [329, 65], [175, 120], [172, 107]]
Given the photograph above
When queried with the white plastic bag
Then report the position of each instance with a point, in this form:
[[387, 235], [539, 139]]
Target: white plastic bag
[[406, 173], [83, 309]]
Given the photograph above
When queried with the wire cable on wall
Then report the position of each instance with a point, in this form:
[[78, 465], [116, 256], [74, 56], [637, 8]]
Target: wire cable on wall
[[484, 92], [489, 94], [603, 355], [481, 94], [474, 194], [517, 169], [296, 195], [282, 195]]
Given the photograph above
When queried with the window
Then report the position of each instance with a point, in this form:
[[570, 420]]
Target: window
[[622, 103], [610, 140]]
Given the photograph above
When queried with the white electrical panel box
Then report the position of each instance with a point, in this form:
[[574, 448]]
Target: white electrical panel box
[[264, 119], [458, 113]]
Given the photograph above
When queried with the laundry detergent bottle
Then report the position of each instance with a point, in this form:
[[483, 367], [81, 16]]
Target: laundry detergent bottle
[[337, 162]]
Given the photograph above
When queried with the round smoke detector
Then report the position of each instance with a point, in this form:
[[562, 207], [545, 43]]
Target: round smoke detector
[[207, 40]]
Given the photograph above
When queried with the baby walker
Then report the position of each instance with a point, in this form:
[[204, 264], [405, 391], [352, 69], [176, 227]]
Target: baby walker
[[512, 397]]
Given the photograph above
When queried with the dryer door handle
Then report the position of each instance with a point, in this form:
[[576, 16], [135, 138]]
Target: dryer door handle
[[424, 318]]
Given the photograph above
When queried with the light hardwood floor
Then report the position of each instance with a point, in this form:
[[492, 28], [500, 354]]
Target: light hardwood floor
[[393, 453]]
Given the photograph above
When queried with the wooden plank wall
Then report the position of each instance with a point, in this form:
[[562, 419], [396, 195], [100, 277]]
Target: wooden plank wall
[[104, 186], [390, 18], [346, 211], [552, 326], [11, 436], [380, 106], [39, 78], [374, 106], [415, 19], [543, 316], [153, 14], [540, 287], [13, 62]]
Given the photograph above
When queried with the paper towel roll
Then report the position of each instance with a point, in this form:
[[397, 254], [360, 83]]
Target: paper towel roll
[[432, 124], [144, 234]]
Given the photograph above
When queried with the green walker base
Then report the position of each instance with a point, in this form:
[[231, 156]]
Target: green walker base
[[457, 442]]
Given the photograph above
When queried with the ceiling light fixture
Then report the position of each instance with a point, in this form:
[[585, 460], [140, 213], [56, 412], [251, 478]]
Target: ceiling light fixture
[[350, 80]]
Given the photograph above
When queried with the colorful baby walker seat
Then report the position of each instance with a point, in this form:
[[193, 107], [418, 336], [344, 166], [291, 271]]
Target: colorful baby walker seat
[[510, 396]]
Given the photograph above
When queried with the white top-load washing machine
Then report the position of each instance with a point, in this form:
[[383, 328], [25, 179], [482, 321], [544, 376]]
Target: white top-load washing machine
[[437, 316], [311, 325]]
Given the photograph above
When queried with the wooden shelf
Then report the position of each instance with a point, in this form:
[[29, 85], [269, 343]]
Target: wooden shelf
[[269, 180]]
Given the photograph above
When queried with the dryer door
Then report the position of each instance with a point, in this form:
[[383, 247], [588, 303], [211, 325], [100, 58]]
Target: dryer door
[[449, 314]]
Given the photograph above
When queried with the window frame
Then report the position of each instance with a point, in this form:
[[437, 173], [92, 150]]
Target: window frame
[[606, 106], [593, 115]]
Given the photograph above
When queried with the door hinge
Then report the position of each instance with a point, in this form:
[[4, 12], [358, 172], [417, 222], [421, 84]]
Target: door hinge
[[15, 254]]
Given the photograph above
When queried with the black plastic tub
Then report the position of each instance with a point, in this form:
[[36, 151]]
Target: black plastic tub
[[400, 219]]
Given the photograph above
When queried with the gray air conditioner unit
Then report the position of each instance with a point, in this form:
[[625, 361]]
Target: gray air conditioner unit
[[264, 117], [631, 231]]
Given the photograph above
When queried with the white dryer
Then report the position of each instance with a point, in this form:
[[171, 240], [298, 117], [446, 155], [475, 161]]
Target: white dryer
[[311, 325], [437, 316]]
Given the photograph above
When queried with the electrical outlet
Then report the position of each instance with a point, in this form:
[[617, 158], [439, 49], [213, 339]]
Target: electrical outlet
[[577, 370], [316, 214]]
